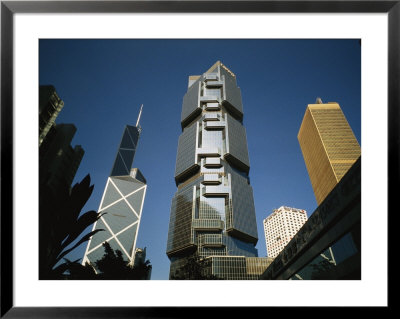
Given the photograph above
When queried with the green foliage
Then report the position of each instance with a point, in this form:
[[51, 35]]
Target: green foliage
[[78, 271], [113, 266], [60, 225]]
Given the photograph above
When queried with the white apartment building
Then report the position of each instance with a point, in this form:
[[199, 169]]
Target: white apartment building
[[281, 226]]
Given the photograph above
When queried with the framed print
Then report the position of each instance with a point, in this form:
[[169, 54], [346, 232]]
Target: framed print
[[78, 38]]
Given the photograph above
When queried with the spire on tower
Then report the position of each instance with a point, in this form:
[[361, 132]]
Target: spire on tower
[[140, 113]]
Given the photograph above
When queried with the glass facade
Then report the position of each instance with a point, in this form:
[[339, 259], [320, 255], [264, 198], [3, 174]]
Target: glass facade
[[191, 105], [126, 152], [237, 144], [238, 268], [50, 106], [212, 213], [331, 262], [328, 145], [186, 158], [121, 205]]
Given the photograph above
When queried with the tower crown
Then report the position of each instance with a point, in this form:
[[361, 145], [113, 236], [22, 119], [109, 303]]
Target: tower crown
[[219, 63]]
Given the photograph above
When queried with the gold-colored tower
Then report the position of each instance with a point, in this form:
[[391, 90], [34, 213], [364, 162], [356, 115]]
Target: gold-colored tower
[[328, 145]]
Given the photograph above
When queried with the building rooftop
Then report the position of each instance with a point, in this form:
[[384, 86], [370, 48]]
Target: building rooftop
[[222, 65], [285, 208]]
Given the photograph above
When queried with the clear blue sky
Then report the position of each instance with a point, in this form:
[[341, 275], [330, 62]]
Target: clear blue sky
[[104, 82]]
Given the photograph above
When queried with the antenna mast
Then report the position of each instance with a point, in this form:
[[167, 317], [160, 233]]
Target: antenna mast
[[140, 113]]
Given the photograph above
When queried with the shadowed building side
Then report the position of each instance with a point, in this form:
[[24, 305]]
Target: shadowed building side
[[50, 105], [58, 160], [58, 164]]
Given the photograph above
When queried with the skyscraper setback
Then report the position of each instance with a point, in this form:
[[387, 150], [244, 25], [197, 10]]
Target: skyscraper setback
[[212, 213], [122, 203], [328, 145]]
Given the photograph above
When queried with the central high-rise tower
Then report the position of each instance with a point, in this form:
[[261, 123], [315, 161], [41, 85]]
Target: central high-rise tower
[[212, 213]]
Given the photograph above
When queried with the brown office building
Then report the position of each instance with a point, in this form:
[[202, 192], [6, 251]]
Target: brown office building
[[328, 145]]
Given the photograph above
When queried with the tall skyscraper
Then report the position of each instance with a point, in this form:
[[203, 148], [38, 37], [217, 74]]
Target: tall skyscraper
[[281, 226], [329, 146], [50, 105], [58, 164], [212, 213], [58, 160], [122, 203]]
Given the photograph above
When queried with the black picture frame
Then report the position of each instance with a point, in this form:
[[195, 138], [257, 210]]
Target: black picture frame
[[9, 8]]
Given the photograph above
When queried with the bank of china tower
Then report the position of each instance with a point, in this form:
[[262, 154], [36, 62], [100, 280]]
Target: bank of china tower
[[212, 213], [121, 204]]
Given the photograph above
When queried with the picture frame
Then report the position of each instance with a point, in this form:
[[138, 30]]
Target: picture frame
[[9, 8]]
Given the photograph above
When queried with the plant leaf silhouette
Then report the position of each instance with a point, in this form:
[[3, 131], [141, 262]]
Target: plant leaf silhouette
[[83, 239], [79, 226], [60, 224]]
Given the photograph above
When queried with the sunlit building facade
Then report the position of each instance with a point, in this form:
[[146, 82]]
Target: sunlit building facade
[[281, 226], [328, 145], [328, 245], [121, 204], [212, 213]]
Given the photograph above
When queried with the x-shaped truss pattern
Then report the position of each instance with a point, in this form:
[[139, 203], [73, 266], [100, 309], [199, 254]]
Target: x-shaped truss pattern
[[122, 204]]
